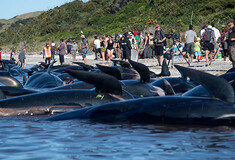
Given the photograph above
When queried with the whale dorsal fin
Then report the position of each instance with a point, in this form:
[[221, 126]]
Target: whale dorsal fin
[[168, 88], [50, 66], [217, 87], [103, 82], [110, 71], [165, 69], [142, 69], [84, 66]]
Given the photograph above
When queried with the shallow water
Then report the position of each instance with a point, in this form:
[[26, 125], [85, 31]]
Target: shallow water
[[23, 138]]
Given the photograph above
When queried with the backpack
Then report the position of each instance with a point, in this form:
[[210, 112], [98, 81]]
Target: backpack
[[164, 42], [207, 35]]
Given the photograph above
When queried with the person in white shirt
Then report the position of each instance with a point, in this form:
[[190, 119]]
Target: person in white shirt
[[217, 36], [97, 48], [203, 30]]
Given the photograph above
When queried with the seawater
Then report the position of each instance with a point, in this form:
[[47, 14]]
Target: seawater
[[24, 138]]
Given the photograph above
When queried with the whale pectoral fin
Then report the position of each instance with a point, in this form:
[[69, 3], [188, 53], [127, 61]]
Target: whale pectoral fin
[[117, 97], [216, 86]]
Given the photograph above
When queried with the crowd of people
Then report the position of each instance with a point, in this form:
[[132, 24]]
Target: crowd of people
[[132, 45], [209, 42]]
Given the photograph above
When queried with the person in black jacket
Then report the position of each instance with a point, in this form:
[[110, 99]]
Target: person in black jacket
[[126, 47]]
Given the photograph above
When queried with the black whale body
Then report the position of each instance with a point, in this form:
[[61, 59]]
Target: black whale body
[[166, 110]]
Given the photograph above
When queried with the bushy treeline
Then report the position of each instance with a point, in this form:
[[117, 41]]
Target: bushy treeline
[[113, 16]]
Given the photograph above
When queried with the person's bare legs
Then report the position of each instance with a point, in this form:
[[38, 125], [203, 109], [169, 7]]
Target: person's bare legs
[[85, 60], [206, 55], [119, 54], [158, 59], [161, 60], [189, 58], [210, 58], [215, 51], [103, 57], [111, 54]]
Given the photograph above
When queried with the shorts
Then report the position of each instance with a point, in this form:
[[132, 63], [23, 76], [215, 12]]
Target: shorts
[[190, 49], [102, 49], [158, 50], [232, 53], [98, 50], [61, 58], [84, 52], [74, 53], [209, 47], [110, 49], [126, 55], [197, 53]]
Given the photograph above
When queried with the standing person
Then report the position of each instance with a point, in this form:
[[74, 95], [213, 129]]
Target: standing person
[[83, 46], [22, 58], [97, 48], [47, 53], [53, 50], [224, 41], [102, 45], [146, 47], [209, 40], [151, 44], [203, 30], [137, 40], [126, 47], [231, 41], [105, 42], [197, 46], [159, 38], [74, 49], [119, 45], [110, 48], [12, 56], [217, 35], [62, 51], [69, 45], [190, 37]]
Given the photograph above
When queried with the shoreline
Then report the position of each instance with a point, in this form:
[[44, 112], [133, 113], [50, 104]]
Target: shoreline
[[217, 66]]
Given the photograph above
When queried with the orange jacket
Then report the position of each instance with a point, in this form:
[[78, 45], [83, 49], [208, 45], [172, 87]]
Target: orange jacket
[[47, 52]]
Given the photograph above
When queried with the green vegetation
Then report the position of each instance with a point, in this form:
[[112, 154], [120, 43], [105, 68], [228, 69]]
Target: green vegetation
[[98, 17]]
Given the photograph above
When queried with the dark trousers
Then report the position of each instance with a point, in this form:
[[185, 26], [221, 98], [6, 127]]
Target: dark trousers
[[48, 60]]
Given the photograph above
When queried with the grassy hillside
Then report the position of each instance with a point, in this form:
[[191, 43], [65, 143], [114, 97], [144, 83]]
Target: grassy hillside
[[6, 23], [108, 16]]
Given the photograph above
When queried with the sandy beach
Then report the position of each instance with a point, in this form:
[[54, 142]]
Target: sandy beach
[[217, 66]]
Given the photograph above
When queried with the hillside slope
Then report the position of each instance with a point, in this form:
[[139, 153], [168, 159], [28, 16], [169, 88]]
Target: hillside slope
[[112, 16], [6, 23]]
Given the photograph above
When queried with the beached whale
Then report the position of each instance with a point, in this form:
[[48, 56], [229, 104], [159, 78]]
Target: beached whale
[[107, 90], [218, 109]]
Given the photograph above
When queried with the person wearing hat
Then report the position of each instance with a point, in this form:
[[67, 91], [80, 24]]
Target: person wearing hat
[[159, 38], [197, 48], [83, 46], [137, 39], [209, 43], [231, 41]]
